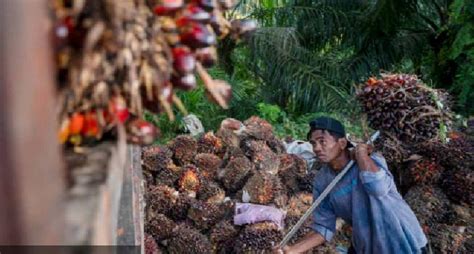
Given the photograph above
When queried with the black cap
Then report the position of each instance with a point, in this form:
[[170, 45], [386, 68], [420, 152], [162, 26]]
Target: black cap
[[329, 124]]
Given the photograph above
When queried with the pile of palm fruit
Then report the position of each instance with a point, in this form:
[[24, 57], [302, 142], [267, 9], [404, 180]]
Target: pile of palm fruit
[[115, 59], [193, 184], [432, 162]]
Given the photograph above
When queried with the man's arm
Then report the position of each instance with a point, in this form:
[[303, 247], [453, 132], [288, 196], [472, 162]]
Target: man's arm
[[309, 241], [374, 173]]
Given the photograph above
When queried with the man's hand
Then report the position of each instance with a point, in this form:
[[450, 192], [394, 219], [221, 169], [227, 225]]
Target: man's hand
[[361, 151], [285, 250], [361, 154]]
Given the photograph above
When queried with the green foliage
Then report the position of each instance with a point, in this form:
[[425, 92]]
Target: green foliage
[[285, 125]]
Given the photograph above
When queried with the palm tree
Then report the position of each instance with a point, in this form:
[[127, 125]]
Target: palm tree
[[309, 54]]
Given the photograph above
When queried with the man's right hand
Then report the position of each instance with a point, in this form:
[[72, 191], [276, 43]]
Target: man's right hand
[[285, 250]]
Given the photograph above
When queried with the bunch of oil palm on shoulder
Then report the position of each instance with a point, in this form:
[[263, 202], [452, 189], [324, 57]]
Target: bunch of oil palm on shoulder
[[116, 59]]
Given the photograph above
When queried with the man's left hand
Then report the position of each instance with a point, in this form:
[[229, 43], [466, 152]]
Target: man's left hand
[[361, 151]]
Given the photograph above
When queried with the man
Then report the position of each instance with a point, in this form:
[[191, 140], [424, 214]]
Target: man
[[366, 197]]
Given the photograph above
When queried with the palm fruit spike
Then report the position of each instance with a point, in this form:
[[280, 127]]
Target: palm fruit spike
[[292, 171], [459, 185], [234, 175], [306, 183], [204, 215], [156, 158], [222, 237], [184, 148], [258, 128], [208, 165], [228, 208], [209, 143], [425, 171], [211, 193], [297, 205], [151, 247], [392, 149], [459, 216], [402, 105], [169, 175], [160, 227], [189, 181], [263, 188], [261, 155], [188, 240], [276, 145], [458, 149], [258, 238], [180, 207], [447, 239], [161, 199], [149, 179], [428, 203]]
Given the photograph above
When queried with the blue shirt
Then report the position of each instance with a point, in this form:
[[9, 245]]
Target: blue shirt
[[382, 222]]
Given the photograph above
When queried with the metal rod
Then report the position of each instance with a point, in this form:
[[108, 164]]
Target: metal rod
[[321, 197]]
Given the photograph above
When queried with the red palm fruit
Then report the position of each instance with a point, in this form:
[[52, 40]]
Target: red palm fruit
[[197, 36], [118, 109], [64, 132], [186, 82], [207, 56], [183, 60], [141, 132], [189, 180], [193, 13], [168, 7], [91, 125], [62, 31], [77, 123]]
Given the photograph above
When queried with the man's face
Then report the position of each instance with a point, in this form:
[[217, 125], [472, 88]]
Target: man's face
[[325, 146]]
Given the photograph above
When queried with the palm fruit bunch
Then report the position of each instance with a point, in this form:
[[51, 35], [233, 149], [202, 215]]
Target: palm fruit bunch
[[204, 215], [424, 171], [190, 181], [209, 143], [258, 238], [429, 204], [297, 206], [456, 153], [394, 151], [209, 164], [115, 59], [261, 155], [292, 171], [222, 237], [235, 173], [197, 182], [155, 158], [405, 107], [211, 192], [264, 188], [184, 148], [151, 247], [161, 199], [459, 185], [160, 227], [187, 239], [448, 239]]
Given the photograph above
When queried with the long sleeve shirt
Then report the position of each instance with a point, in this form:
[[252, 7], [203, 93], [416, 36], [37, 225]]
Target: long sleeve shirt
[[382, 222]]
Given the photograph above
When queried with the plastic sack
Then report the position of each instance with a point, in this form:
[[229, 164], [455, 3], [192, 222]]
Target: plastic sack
[[302, 149], [247, 213]]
